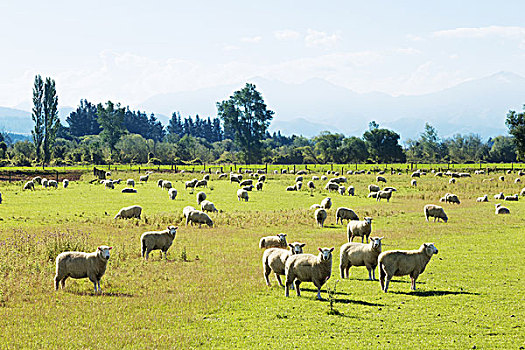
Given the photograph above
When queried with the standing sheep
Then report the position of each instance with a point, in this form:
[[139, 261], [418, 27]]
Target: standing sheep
[[359, 254], [44, 182], [359, 229], [373, 188], [133, 211], [274, 259], [404, 262], [259, 185], [154, 240], [208, 206], [435, 211], [172, 193], [331, 186], [320, 216], [242, 194], [380, 179], [198, 217], [200, 197], [452, 198], [82, 265], [129, 190], [326, 203], [501, 209], [29, 185], [277, 241], [384, 194], [144, 178], [351, 191], [485, 198], [499, 196], [166, 185], [298, 186], [343, 213], [65, 183], [52, 183], [159, 183], [130, 182], [413, 182], [201, 183], [342, 190], [308, 268]]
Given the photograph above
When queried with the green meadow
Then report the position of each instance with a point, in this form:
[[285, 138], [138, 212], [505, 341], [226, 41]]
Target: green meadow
[[211, 293]]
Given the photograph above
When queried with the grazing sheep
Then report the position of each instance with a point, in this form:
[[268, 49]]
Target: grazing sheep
[[187, 210], [522, 193], [372, 195], [351, 191], [198, 217], [416, 174], [320, 216], [274, 259], [360, 254], [298, 186], [501, 178], [359, 229], [517, 180], [108, 184], [315, 178], [262, 178], [343, 213], [277, 241], [52, 183], [391, 189], [206, 177], [200, 197], [380, 179], [65, 183], [404, 262], [242, 194], [291, 188], [247, 188], [452, 198], [247, 182], [342, 190], [464, 175], [373, 188], [108, 173], [172, 193], [513, 198], [130, 182], [452, 181], [501, 209], [385, 195], [128, 190], [208, 206], [310, 185], [438, 174], [326, 203], [166, 184], [190, 184], [509, 172], [413, 182], [435, 211], [302, 172], [331, 186], [82, 265], [37, 180], [44, 182], [235, 178], [29, 185], [201, 183], [144, 178], [485, 198], [308, 268], [133, 211], [499, 196], [155, 240], [159, 183], [324, 178], [223, 176], [315, 206], [298, 179]]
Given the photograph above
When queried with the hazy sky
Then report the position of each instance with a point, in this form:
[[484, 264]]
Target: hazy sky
[[129, 50]]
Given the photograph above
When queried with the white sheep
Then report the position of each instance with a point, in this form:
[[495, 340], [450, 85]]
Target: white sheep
[[242, 194], [331, 186], [326, 203], [259, 185], [373, 188], [380, 179], [166, 184], [277, 241], [291, 188], [501, 209], [52, 183], [360, 254], [499, 196], [351, 190], [29, 185], [501, 178], [200, 197], [262, 178], [315, 178], [485, 198], [159, 183], [315, 206], [517, 180], [359, 229], [416, 173], [37, 180], [201, 183], [274, 259], [198, 217], [404, 262], [320, 216], [144, 178], [133, 211], [298, 179], [435, 211], [190, 184], [187, 210], [514, 198], [522, 193], [308, 268], [206, 177], [372, 195], [44, 182], [342, 190], [208, 206], [223, 176], [413, 182], [82, 265], [452, 181], [324, 178], [108, 184], [384, 194], [452, 198], [343, 213], [130, 182], [154, 240], [172, 193], [65, 183], [298, 186]]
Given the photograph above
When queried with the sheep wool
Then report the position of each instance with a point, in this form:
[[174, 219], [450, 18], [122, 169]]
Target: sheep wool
[[157, 240], [274, 259], [133, 211], [360, 254], [277, 241], [242, 194], [343, 213], [320, 216], [198, 217], [436, 212], [359, 229], [208, 206], [326, 203]]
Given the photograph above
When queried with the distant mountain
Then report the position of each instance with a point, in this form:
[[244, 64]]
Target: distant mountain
[[20, 122], [308, 129]]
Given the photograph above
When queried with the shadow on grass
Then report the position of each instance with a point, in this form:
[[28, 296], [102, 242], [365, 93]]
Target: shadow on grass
[[434, 293], [103, 294], [343, 300]]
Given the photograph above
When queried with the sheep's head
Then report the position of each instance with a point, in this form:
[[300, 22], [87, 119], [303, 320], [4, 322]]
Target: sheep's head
[[376, 242], [103, 251], [282, 238], [430, 249], [296, 248], [325, 253], [172, 230], [368, 220], [209, 222]]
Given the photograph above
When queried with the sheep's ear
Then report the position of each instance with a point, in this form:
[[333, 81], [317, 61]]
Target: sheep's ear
[[99, 248], [290, 245], [176, 227], [380, 238], [110, 248], [319, 249], [332, 249], [302, 245]]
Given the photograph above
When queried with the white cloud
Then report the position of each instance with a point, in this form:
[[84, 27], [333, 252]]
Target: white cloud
[[482, 32], [286, 34], [251, 40], [315, 38]]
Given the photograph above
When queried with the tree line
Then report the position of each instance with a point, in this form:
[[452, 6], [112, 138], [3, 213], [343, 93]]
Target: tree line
[[110, 133]]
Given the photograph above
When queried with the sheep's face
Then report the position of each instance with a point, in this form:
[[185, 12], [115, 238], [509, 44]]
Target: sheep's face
[[325, 253], [172, 230], [368, 220], [296, 248], [430, 249], [282, 237], [376, 242], [103, 251]]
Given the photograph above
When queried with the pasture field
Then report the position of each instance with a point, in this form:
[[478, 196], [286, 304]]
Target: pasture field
[[211, 292]]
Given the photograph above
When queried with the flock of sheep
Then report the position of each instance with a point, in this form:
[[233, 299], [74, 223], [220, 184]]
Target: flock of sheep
[[279, 257]]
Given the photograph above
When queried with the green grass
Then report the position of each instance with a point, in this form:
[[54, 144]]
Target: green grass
[[211, 292]]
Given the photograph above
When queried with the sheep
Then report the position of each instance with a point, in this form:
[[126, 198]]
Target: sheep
[[198, 217], [190, 184], [65, 183], [452, 181], [372, 195], [242, 194], [331, 186], [52, 183], [373, 188], [326, 203], [521, 173], [108, 174], [259, 186], [206, 177], [108, 184], [208, 206], [499, 196], [291, 188], [29, 185], [522, 193], [380, 179], [298, 186], [351, 191], [416, 174], [464, 175], [172, 193], [320, 216], [384, 194], [37, 180], [413, 182], [299, 179], [223, 176], [302, 172], [133, 211], [235, 178], [435, 211], [315, 178], [501, 209], [200, 197], [438, 174], [82, 265], [247, 188], [130, 182], [342, 190], [262, 178], [513, 198], [308, 268], [166, 185], [360, 254], [277, 241], [517, 180], [144, 178], [359, 229], [501, 178], [452, 198], [509, 172], [44, 182], [128, 190], [404, 262], [324, 178], [274, 259], [155, 240], [201, 183], [187, 210], [343, 213], [159, 183], [454, 174], [485, 198], [391, 189], [315, 206]]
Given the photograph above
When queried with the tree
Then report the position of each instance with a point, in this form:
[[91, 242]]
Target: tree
[[503, 149], [38, 131], [516, 124], [50, 118], [111, 119], [83, 121], [353, 150], [246, 118], [328, 146], [383, 144]]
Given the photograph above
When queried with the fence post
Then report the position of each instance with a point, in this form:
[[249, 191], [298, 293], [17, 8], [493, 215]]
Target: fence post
[[294, 168]]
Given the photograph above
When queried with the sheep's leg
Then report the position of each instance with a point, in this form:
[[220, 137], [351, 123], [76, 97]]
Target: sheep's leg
[[388, 278], [347, 271], [342, 268], [147, 255], [287, 289], [297, 288], [99, 289], [279, 280], [63, 282], [370, 273], [319, 293]]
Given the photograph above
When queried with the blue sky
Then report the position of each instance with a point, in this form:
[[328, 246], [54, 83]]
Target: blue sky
[[128, 51]]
